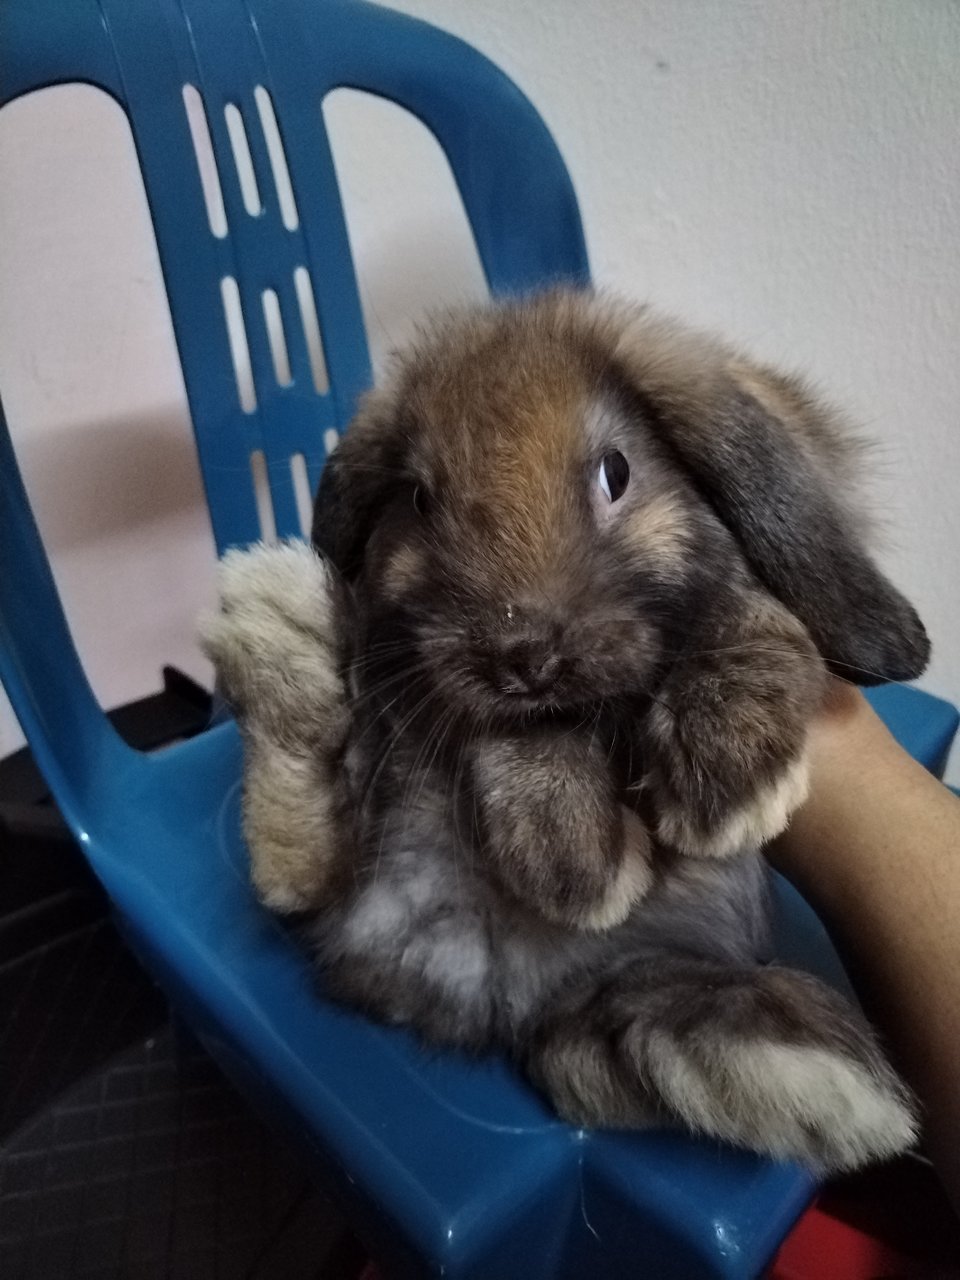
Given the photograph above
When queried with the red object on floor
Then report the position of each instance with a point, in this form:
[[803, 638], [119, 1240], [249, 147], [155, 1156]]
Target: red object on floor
[[892, 1222], [823, 1248]]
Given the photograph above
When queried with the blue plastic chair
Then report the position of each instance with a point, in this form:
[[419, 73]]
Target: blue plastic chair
[[443, 1165]]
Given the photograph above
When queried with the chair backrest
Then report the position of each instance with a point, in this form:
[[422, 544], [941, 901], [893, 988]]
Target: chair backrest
[[245, 261]]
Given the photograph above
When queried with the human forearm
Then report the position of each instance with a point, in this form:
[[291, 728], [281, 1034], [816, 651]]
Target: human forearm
[[877, 852]]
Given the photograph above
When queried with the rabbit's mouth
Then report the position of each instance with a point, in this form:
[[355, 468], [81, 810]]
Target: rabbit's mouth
[[541, 672], [528, 674]]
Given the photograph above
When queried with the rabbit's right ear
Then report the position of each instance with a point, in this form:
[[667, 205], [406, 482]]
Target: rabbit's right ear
[[356, 478], [776, 466]]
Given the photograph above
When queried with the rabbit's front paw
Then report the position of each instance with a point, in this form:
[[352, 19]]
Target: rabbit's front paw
[[724, 744], [631, 883], [275, 642], [700, 815], [555, 836], [726, 755]]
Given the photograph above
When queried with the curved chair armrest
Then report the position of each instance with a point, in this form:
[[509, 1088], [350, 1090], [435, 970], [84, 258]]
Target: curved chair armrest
[[74, 743], [516, 190]]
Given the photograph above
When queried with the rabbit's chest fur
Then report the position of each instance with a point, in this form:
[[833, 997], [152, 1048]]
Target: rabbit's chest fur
[[425, 936]]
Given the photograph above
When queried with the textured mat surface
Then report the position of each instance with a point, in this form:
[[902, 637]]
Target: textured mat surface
[[124, 1151], [151, 1167], [68, 1003]]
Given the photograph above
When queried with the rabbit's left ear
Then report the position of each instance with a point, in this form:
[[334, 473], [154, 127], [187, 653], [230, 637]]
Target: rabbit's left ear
[[355, 482], [771, 461]]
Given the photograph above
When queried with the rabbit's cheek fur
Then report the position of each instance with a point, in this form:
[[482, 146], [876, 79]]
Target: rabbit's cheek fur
[[402, 573], [661, 535]]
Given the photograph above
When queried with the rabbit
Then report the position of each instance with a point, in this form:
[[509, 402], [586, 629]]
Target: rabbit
[[578, 577]]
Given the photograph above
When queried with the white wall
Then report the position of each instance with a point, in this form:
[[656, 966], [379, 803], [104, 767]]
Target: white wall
[[92, 392], [783, 172]]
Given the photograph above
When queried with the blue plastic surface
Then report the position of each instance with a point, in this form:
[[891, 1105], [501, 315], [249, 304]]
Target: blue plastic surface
[[445, 1165], [923, 726]]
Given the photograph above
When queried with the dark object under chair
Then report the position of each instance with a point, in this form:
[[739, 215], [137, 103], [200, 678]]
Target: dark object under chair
[[123, 1150]]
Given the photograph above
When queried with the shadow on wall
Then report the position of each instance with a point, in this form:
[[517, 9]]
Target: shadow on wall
[[89, 370], [93, 393], [90, 481]]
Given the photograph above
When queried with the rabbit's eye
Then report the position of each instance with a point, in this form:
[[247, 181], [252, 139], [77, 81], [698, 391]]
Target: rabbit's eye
[[614, 475], [421, 500]]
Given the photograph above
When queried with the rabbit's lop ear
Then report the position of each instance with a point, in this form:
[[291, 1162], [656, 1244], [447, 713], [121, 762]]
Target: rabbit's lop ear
[[779, 469], [357, 476]]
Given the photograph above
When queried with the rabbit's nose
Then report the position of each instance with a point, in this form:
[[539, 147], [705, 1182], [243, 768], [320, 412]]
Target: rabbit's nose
[[531, 667]]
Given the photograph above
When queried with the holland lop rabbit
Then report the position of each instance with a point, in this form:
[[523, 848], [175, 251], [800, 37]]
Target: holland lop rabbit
[[519, 725]]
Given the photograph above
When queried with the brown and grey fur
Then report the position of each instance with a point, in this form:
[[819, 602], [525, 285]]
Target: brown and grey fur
[[567, 726]]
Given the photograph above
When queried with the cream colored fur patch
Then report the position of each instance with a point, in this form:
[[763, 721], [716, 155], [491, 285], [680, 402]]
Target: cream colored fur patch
[[630, 885], [765, 816], [791, 1101]]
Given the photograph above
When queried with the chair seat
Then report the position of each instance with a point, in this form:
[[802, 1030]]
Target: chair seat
[[444, 1158]]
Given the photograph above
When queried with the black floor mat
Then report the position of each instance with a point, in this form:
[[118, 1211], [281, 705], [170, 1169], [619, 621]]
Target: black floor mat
[[125, 1153], [152, 1166], [69, 1002]]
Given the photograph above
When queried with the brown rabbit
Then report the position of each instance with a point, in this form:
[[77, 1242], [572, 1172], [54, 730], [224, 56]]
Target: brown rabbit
[[593, 569]]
